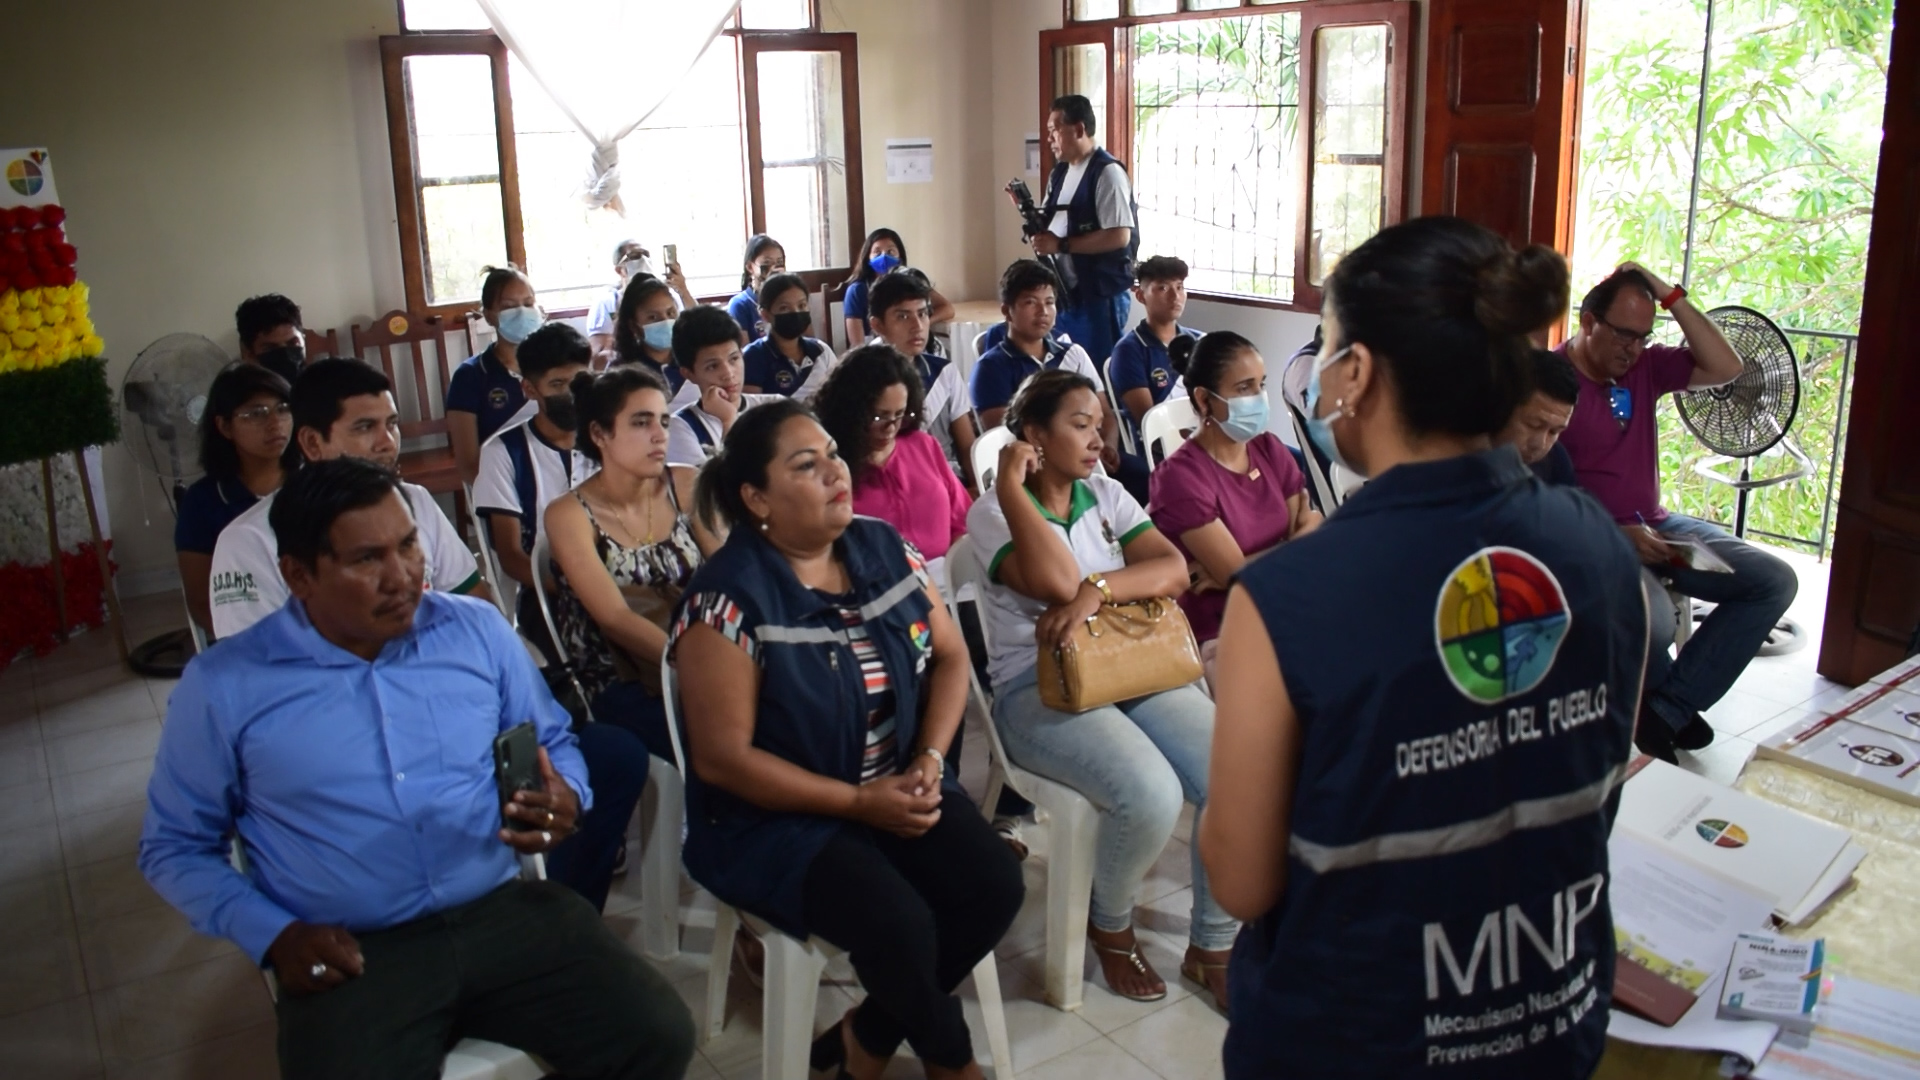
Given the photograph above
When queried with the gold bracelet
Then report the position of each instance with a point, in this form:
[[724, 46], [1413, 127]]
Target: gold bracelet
[[1099, 581]]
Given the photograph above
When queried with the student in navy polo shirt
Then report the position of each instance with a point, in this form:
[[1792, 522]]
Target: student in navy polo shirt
[[1424, 708], [763, 259], [643, 331], [243, 432], [485, 391], [883, 253], [1142, 372], [786, 361], [1030, 298]]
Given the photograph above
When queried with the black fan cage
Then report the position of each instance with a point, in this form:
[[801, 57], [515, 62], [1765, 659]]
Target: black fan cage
[[1750, 415]]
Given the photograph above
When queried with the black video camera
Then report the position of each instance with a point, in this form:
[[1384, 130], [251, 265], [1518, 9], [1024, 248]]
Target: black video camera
[[1032, 224]]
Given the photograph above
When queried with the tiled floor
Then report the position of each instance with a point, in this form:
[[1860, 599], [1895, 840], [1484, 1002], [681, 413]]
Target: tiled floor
[[101, 978]]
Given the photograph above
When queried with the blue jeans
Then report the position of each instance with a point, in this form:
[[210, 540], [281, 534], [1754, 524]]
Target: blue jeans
[[1137, 762], [1095, 326], [1750, 601]]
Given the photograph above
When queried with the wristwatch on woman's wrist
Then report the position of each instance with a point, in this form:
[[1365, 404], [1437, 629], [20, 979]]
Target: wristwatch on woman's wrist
[[939, 758]]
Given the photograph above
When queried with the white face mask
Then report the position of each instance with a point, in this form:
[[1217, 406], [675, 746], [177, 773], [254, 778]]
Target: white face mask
[[635, 266]]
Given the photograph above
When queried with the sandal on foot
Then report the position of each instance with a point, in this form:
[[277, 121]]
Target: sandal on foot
[[1136, 961], [1009, 830], [1195, 970]]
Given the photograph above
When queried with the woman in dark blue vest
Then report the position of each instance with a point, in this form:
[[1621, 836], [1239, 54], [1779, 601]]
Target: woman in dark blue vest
[[822, 682], [1425, 707]]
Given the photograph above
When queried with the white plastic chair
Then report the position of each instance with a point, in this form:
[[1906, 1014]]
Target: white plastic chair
[[986, 453], [663, 803], [490, 571], [1120, 414], [1166, 426], [469, 1059], [793, 969], [1324, 493], [1071, 818]]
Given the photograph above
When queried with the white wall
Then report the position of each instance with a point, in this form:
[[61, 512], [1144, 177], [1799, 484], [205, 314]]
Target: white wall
[[207, 152], [922, 65]]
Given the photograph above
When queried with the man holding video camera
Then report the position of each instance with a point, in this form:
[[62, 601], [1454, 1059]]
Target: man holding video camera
[[1090, 212], [346, 744]]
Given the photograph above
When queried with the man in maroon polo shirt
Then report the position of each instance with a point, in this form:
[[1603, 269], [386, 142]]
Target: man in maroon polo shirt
[[1614, 444]]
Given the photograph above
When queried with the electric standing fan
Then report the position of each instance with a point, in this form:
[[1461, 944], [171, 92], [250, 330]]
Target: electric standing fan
[[161, 399], [1746, 418]]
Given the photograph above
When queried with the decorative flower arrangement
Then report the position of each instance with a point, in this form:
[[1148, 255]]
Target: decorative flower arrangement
[[43, 305], [26, 577]]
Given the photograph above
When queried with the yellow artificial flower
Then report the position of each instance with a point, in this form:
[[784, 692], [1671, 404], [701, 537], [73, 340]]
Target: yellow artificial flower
[[9, 321], [30, 319], [91, 345], [23, 339], [53, 314], [9, 302], [78, 291], [57, 294], [30, 300]]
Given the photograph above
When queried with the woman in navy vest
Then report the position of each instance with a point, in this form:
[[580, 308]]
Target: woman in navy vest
[[822, 683], [1425, 707]]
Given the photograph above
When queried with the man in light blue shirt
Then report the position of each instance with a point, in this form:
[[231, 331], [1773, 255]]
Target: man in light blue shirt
[[346, 740]]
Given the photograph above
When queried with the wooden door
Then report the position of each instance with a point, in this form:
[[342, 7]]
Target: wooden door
[[1503, 103], [1873, 603]]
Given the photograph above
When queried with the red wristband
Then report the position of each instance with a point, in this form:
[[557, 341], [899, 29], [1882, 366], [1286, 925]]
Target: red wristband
[[1678, 294]]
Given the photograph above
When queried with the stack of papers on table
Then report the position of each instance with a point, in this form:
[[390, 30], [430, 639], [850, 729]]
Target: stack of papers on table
[[1799, 863], [1865, 1032], [1871, 739]]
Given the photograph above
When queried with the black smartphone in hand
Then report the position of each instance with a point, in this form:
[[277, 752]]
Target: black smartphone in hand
[[516, 767]]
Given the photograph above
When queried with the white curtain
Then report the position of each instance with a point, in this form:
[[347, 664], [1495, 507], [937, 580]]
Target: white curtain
[[608, 64]]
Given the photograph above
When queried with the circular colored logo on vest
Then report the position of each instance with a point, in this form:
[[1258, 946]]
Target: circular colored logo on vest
[[1721, 833], [1499, 624], [1875, 755], [25, 177]]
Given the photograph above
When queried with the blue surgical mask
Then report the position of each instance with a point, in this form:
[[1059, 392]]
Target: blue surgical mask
[[1320, 429], [884, 262], [1246, 417], [517, 324], [658, 335]]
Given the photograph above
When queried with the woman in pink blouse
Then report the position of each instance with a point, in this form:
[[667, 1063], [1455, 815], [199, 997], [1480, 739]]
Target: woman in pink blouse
[[872, 405]]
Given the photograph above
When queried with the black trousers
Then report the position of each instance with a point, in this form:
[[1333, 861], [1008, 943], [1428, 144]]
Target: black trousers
[[915, 916], [529, 965]]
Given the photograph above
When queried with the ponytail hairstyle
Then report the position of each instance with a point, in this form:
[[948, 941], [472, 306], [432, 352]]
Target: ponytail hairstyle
[[496, 281], [1209, 357], [1038, 400], [756, 244], [1180, 354], [742, 462], [598, 399], [638, 291], [1446, 306]]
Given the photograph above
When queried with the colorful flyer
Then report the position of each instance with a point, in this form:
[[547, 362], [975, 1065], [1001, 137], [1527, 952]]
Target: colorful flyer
[[1776, 979]]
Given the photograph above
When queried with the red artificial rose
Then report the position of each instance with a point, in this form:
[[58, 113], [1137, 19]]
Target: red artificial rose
[[38, 239], [53, 215], [25, 279], [42, 263], [67, 276], [15, 242], [65, 254], [7, 219]]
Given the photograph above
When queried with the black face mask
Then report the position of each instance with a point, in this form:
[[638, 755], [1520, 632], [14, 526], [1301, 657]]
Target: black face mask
[[560, 411], [283, 360], [792, 324]]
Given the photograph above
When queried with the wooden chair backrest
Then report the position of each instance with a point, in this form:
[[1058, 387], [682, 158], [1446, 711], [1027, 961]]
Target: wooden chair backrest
[[319, 344], [419, 386]]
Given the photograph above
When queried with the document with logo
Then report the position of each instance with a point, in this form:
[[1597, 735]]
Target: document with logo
[[1853, 753], [1782, 854], [1674, 924], [1892, 707]]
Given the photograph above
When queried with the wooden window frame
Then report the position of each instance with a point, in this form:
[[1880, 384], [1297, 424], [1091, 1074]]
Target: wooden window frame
[[1398, 15], [812, 27], [752, 44], [394, 50], [748, 45]]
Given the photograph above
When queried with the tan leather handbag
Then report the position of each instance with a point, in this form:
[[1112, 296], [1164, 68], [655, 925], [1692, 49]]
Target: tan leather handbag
[[1124, 651]]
